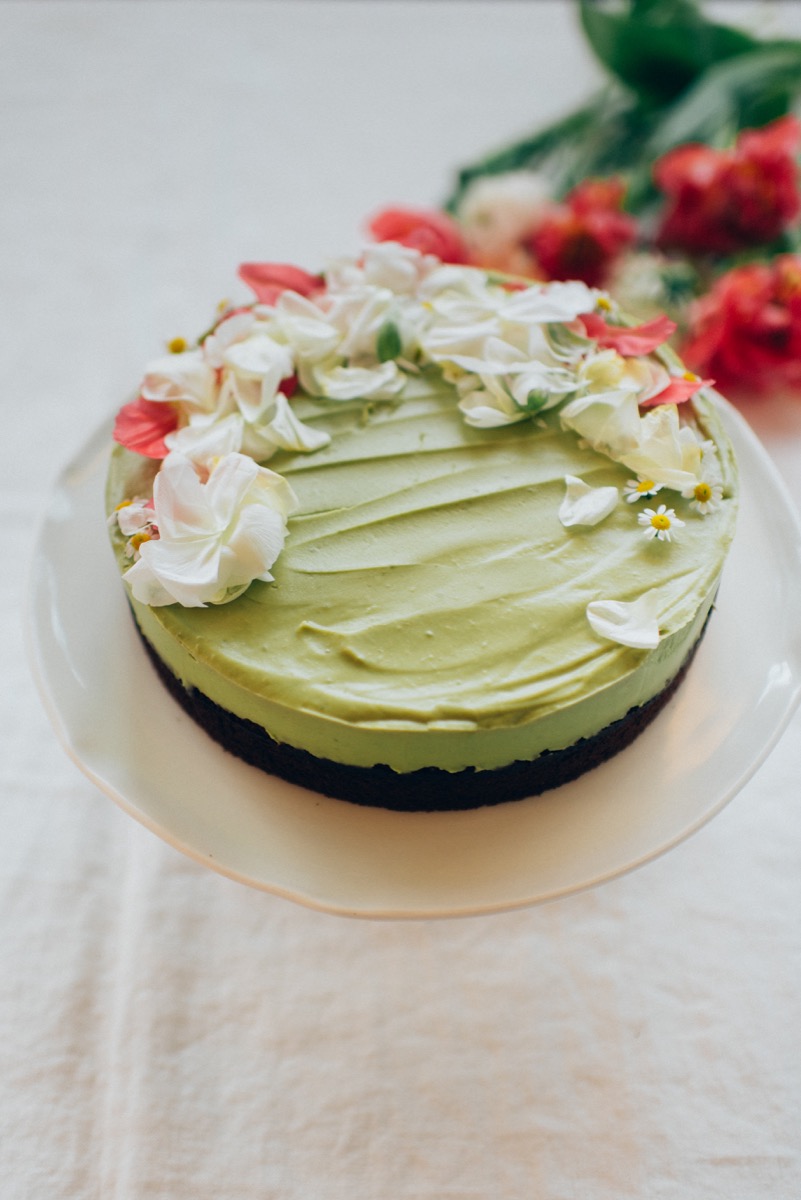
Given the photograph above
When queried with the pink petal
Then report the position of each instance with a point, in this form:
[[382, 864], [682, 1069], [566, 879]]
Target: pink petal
[[677, 391], [142, 426], [269, 280], [631, 343]]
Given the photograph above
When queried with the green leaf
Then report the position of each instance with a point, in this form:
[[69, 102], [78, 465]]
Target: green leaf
[[389, 344], [659, 49], [744, 92]]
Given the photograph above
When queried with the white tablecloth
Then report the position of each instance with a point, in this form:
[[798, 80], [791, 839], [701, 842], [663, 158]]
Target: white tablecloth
[[164, 1031]]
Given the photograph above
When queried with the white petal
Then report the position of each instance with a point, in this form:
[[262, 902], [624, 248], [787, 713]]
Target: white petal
[[181, 378], [399, 268], [134, 517], [202, 441], [549, 302], [609, 421], [632, 624], [286, 430], [585, 505], [353, 383]]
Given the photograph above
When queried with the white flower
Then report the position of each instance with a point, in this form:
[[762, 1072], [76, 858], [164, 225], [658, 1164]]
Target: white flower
[[704, 496], [659, 523], [132, 516], [496, 212], [335, 381], [490, 406], [255, 368], [638, 489], [185, 379], [633, 624], [283, 430], [401, 269], [215, 537], [135, 520], [306, 328], [608, 421], [547, 302], [231, 329], [585, 505], [666, 451], [204, 440]]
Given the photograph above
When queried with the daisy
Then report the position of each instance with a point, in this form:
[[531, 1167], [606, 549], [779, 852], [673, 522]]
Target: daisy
[[637, 489], [660, 523], [704, 497]]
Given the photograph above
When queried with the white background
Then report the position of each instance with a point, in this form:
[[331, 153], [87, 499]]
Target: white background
[[165, 1032]]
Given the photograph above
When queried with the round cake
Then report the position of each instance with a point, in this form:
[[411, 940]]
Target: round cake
[[484, 550]]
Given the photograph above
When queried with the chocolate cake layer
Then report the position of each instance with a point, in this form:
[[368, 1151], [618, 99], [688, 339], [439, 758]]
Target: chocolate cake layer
[[429, 789]]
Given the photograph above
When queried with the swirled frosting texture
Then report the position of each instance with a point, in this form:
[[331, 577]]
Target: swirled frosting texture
[[429, 607]]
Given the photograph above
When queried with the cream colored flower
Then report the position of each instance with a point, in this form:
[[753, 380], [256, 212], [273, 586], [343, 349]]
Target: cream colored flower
[[215, 537]]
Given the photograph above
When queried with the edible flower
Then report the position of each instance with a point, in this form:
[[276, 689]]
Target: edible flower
[[586, 505], [659, 523], [704, 496], [215, 538], [142, 426], [638, 489], [680, 388], [271, 280], [427, 230], [627, 340], [629, 623]]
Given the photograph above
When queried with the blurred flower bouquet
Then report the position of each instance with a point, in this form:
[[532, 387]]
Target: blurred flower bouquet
[[677, 189]]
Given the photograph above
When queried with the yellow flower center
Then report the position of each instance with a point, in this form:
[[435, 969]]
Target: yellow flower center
[[138, 539], [603, 304], [177, 345], [645, 485], [690, 377], [660, 521], [703, 492], [122, 504]]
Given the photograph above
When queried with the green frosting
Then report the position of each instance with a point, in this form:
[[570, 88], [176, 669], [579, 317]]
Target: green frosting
[[429, 608]]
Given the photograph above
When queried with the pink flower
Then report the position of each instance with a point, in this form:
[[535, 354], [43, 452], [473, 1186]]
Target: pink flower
[[429, 231], [746, 331], [680, 388], [581, 238], [142, 426], [269, 280], [629, 342], [720, 201]]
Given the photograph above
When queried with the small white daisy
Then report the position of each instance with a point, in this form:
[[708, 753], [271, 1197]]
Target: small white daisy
[[704, 496], [660, 523], [637, 489]]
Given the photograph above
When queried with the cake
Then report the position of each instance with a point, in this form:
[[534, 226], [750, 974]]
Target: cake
[[418, 536]]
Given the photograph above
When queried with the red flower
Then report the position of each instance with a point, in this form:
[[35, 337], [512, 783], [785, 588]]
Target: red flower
[[580, 238], [269, 280], [142, 426], [430, 232], [746, 331], [720, 201], [630, 342]]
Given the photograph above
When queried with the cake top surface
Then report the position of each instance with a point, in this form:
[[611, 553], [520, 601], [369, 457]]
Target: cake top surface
[[462, 468], [372, 329]]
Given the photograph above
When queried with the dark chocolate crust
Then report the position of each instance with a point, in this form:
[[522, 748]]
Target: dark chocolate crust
[[430, 789]]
